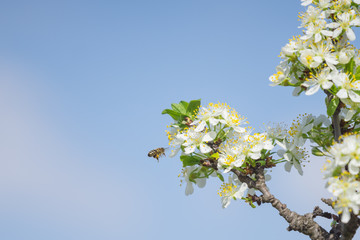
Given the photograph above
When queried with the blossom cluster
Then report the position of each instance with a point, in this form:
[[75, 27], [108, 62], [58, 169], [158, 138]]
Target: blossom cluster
[[291, 141], [216, 136], [343, 172], [213, 139], [323, 58]]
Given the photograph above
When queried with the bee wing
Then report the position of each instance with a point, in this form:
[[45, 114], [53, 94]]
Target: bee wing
[[167, 151]]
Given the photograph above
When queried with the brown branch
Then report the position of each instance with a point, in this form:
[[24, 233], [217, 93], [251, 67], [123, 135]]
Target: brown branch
[[349, 229], [301, 223], [335, 119], [318, 212], [335, 231], [327, 201], [243, 178]]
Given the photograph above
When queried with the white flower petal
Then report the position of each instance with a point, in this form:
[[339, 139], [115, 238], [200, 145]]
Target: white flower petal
[[354, 96], [189, 189], [209, 136], [350, 34], [317, 37], [225, 201], [239, 129], [189, 149], [327, 85], [213, 121], [204, 148], [342, 93], [333, 25], [201, 182], [288, 166], [281, 153], [353, 169], [298, 167], [349, 115], [296, 91], [200, 127], [174, 152], [312, 90], [345, 217], [337, 32]]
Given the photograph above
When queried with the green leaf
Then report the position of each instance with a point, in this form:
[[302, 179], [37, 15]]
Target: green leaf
[[357, 73], [331, 107], [178, 108], [333, 223], [184, 104], [215, 155], [337, 171], [220, 176], [193, 106], [189, 160], [175, 115], [357, 92], [349, 67], [317, 152], [262, 162]]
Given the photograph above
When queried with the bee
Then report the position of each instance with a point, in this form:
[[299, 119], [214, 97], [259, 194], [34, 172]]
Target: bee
[[157, 153]]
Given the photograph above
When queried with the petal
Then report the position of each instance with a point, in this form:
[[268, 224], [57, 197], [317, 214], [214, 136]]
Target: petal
[[189, 189], [333, 25], [288, 156], [281, 153], [349, 115], [317, 37], [268, 145], [327, 85], [296, 91], [225, 201], [189, 149], [307, 128], [255, 156], [213, 121], [251, 191], [345, 216], [355, 22], [298, 167], [312, 90], [354, 97], [288, 166], [342, 93], [337, 32], [204, 148], [352, 168], [267, 177], [350, 34], [280, 144], [239, 129], [201, 182], [209, 136], [327, 33], [174, 152], [200, 127], [240, 193]]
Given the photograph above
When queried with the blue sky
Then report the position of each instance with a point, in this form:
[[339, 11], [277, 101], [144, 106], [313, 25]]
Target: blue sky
[[82, 87]]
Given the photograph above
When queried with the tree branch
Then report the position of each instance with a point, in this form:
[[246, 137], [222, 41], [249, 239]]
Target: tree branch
[[348, 230], [335, 119], [301, 223]]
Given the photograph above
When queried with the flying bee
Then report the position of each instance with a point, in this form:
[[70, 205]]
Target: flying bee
[[157, 153]]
